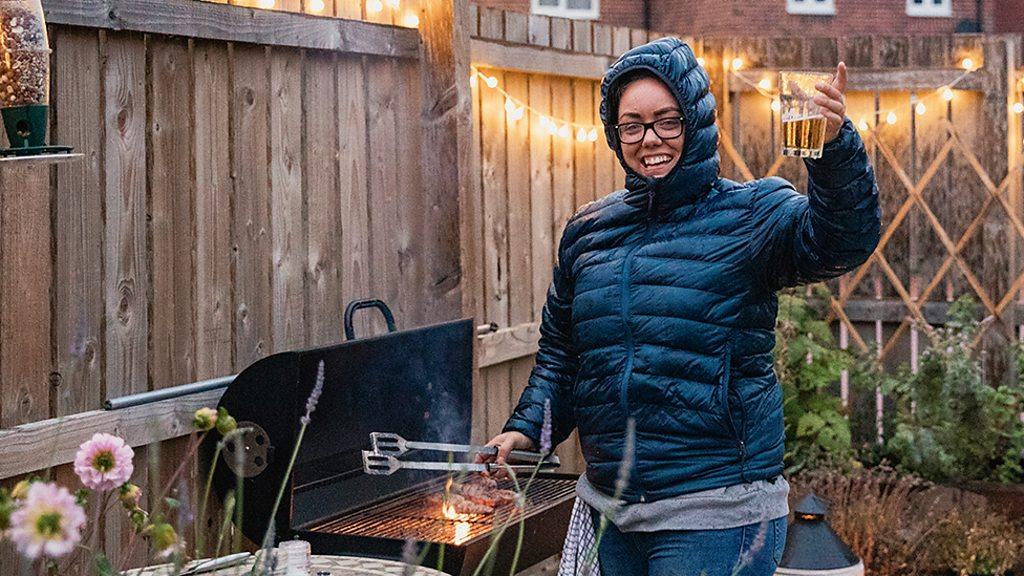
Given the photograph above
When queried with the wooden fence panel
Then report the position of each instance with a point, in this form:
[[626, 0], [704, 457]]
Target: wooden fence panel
[[172, 234], [78, 280], [252, 245]]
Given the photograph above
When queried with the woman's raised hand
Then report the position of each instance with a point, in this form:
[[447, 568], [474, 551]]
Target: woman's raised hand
[[832, 99]]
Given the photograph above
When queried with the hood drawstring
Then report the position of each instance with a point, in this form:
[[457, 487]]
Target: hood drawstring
[[650, 201]]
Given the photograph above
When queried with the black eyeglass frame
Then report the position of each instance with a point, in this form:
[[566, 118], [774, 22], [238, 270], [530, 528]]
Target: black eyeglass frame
[[650, 126]]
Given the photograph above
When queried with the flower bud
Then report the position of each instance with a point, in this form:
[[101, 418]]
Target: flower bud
[[225, 422], [129, 494], [138, 518], [204, 419], [163, 536], [20, 489]]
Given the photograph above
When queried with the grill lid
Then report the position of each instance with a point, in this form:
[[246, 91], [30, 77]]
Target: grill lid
[[417, 382]]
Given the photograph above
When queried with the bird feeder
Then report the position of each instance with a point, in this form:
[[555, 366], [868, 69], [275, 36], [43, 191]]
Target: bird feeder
[[813, 548], [24, 78]]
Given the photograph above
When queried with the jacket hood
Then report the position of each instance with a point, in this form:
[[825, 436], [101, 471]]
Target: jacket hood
[[672, 61]]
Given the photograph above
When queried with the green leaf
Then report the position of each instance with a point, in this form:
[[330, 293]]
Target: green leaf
[[103, 565], [809, 424]]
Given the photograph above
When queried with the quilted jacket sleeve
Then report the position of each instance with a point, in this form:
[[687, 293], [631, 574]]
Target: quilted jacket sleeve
[[555, 371], [798, 239]]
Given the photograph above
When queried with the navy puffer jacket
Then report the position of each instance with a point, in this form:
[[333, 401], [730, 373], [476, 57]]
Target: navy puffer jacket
[[663, 303]]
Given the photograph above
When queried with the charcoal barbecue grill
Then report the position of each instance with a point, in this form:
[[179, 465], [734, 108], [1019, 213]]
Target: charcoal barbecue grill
[[416, 383]]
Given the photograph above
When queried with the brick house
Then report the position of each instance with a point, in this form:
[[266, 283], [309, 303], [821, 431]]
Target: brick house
[[787, 17]]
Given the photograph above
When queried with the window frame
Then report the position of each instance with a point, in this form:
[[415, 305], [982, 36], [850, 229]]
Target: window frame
[[562, 11], [811, 7], [928, 9]]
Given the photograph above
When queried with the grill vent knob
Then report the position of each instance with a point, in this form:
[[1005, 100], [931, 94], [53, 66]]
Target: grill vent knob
[[255, 445]]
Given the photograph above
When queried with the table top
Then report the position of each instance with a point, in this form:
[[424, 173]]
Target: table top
[[336, 565]]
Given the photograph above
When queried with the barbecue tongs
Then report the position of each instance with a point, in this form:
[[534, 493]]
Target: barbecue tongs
[[383, 458]]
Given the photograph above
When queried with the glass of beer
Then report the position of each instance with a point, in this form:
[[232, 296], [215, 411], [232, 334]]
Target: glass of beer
[[803, 125]]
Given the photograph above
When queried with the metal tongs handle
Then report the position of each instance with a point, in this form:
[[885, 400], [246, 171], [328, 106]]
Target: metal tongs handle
[[390, 444], [383, 465]]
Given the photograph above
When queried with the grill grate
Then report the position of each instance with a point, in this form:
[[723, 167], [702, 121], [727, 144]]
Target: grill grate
[[411, 516]]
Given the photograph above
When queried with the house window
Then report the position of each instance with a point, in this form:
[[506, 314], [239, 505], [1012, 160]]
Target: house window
[[579, 9], [813, 7], [929, 8]]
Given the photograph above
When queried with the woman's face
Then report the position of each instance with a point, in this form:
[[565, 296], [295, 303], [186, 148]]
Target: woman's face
[[648, 100]]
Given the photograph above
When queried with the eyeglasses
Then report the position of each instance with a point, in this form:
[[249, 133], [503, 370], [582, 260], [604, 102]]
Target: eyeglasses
[[633, 132]]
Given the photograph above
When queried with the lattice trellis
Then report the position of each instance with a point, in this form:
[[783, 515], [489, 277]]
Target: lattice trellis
[[995, 194]]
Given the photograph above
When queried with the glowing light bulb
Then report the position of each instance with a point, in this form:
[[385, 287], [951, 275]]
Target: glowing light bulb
[[967, 63], [393, 4], [581, 135], [316, 5], [1018, 108], [863, 125], [737, 63], [592, 135], [267, 4], [947, 94], [776, 106], [491, 82], [518, 113], [891, 118], [545, 121], [701, 61], [564, 131], [920, 109], [510, 106], [765, 84], [552, 128], [411, 20], [472, 80], [374, 6]]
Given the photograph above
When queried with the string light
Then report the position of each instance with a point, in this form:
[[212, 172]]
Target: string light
[[374, 6], [776, 106], [411, 20], [1018, 108], [765, 84], [394, 4], [267, 4], [947, 94], [472, 80], [737, 63], [967, 64], [316, 5], [891, 118], [863, 125], [516, 110], [920, 109]]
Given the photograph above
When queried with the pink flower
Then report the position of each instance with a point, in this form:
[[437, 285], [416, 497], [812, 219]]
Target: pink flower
[[104, 462], [48, 523]]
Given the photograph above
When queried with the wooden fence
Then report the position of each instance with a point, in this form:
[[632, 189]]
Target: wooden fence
[[241, 183], [948, 170]]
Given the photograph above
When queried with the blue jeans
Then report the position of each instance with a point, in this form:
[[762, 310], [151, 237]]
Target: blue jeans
[[758, 547]]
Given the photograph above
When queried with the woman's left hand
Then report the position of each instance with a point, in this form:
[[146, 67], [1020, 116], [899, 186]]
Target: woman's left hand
[[832, 99]]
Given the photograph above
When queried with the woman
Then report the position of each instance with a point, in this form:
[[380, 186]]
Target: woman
[[662, 313]]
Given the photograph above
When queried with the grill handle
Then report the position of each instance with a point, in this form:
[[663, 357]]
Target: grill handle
[[354, 305]]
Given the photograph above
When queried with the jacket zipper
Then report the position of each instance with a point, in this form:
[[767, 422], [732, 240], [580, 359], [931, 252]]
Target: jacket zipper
[[630, 345], [741, 445]]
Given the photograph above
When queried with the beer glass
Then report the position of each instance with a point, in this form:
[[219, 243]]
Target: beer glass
[[803, 124]]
